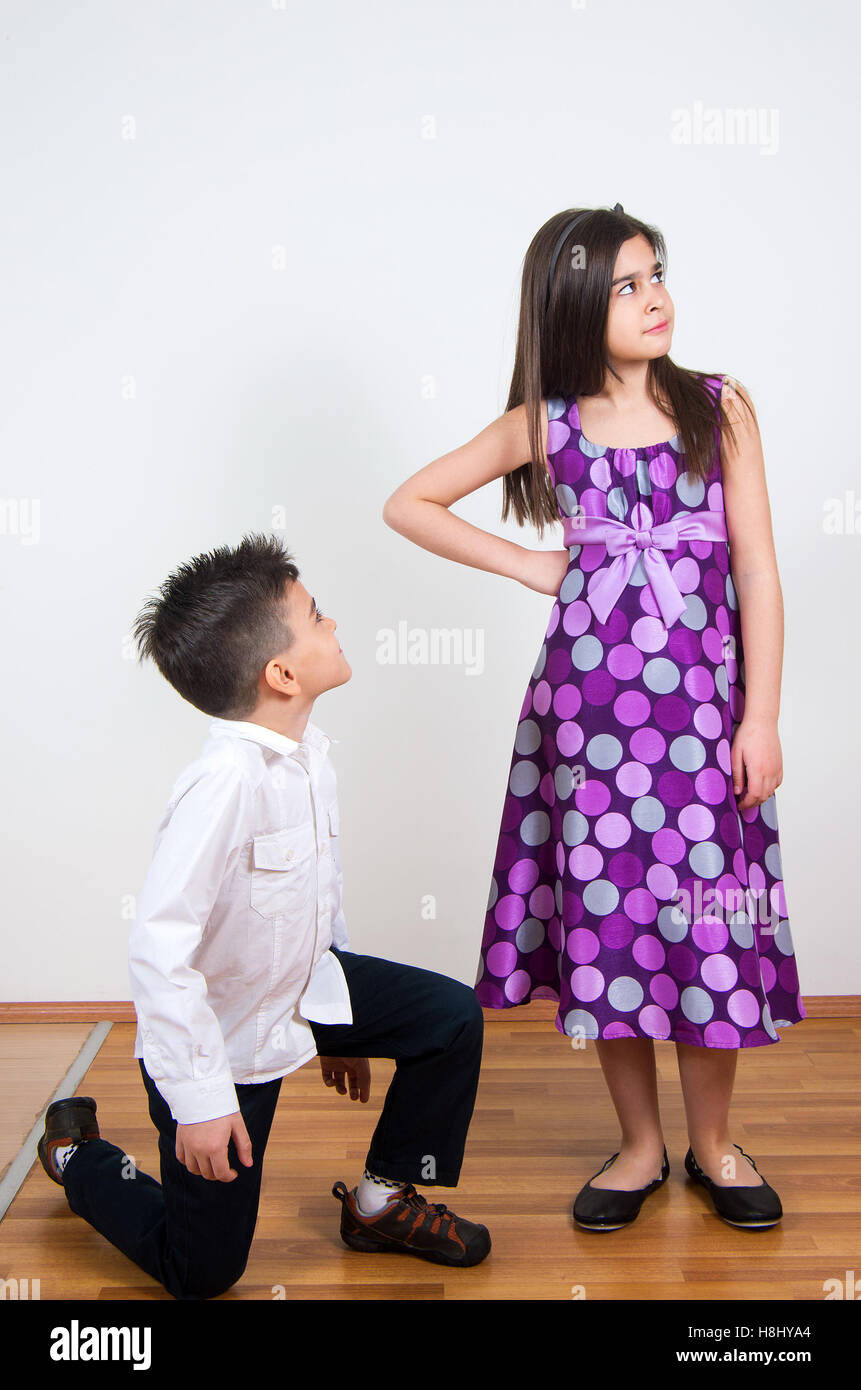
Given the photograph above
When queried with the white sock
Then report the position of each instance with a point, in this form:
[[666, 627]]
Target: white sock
[[62, 1156], [373, 1193]]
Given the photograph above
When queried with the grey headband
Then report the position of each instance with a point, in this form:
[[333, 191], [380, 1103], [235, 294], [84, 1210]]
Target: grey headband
[[563, 235]]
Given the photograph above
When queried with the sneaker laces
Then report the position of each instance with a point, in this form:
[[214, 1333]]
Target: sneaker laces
[[435, 1210]]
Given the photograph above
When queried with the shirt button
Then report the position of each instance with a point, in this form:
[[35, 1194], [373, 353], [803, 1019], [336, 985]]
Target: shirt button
[[289, 854]]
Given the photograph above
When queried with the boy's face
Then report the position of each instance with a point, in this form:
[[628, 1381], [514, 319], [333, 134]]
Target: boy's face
[[315, 661]]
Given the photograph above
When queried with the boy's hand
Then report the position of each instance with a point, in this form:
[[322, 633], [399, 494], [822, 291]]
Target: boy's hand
[[202, 1147], [357, 1068]]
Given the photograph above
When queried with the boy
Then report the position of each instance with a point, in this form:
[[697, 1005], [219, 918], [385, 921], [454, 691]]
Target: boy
[[240, 965]]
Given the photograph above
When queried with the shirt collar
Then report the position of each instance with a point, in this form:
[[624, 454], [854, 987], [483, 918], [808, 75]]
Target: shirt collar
[[243, 728]]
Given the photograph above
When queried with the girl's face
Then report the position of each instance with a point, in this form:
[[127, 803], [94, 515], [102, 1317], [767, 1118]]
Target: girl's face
[[640, 313]]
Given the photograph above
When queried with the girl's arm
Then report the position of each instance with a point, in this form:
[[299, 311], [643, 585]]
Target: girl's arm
[[419, 508], [756, 746], [752, 558]]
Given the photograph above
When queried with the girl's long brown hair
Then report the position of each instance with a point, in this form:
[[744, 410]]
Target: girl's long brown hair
[[560, 352]]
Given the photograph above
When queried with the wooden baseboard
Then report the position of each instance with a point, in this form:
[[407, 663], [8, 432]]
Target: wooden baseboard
[[122, 1010], [69, 1011]]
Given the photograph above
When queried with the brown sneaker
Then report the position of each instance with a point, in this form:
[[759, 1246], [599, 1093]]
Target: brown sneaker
[[409, 1225], [68, 1121]]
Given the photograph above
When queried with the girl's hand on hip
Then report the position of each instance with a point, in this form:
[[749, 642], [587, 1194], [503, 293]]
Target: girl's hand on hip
[[544, 570]]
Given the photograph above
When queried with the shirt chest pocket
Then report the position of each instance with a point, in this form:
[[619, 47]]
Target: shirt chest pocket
[[284, 872]]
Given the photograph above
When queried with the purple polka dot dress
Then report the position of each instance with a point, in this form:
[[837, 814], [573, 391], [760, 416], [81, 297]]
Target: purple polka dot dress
[[627, 885]]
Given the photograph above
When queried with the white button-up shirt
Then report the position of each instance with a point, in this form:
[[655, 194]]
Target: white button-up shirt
[[229, 952]]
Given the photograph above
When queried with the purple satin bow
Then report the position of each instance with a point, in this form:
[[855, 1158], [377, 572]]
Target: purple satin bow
[[626, 542]]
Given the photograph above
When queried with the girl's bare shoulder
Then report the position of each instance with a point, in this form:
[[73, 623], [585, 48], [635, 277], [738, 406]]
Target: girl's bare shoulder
[[737, 402]]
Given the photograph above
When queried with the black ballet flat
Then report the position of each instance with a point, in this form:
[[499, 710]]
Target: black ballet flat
[[752, 1207], [609, 1208]]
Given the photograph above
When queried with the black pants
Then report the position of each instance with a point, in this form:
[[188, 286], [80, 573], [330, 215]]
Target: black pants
[[193, 1234]]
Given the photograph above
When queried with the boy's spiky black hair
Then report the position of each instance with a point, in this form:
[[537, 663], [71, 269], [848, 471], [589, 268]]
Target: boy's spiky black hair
[[217, 620]]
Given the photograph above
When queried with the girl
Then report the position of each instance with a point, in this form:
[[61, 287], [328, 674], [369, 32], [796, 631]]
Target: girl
[[638, 877]]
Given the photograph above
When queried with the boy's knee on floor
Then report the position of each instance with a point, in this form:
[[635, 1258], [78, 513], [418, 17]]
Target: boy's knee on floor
[[204, 1284], [464, 1010]]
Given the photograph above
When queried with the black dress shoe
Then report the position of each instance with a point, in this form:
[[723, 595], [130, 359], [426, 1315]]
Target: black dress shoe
[[609, 1208], [753, 1207], [69, 1121]]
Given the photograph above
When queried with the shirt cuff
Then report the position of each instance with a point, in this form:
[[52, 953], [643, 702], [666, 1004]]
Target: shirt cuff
[[191, 1102]]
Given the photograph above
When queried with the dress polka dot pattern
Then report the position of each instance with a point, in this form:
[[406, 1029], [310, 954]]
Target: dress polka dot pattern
[[626, 883]]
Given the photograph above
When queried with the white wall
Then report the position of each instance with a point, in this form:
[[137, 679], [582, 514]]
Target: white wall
[[149, 261]]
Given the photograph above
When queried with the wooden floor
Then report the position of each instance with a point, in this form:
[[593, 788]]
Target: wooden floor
[[543, 1124]]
